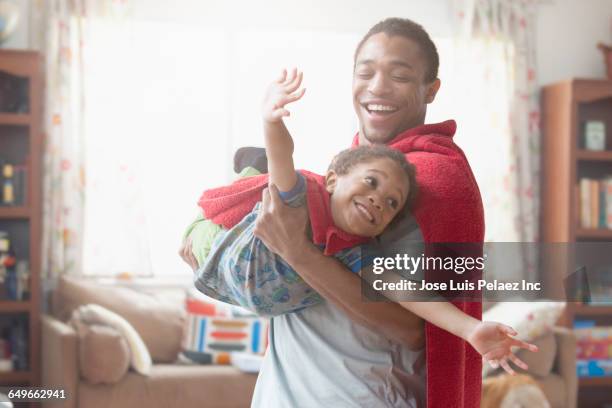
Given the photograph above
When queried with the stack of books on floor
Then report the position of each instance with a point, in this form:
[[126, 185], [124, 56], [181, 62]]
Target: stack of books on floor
[[594, 349]]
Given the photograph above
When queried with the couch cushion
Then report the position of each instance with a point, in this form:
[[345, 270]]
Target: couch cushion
[[182, 386], [541, 362], [104, 356], [140, 359], [555, 390], [159, 324]]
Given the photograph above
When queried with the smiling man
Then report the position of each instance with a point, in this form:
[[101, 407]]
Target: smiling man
[[347, 352]]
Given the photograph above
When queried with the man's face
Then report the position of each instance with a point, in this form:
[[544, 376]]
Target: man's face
[[390, 94]]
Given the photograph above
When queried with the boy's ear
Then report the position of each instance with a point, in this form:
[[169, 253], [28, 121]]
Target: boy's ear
[[330, 181]]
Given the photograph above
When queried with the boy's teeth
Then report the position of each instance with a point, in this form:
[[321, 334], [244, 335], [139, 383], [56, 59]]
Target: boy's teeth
[[384, 108]]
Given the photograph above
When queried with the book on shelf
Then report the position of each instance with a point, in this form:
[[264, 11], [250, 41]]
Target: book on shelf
[[13, 187], [593, 349], [595, 203]]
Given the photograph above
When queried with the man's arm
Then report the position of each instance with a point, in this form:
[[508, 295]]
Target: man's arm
[[283, 231]]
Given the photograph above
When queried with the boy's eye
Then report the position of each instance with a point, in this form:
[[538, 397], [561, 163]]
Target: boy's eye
[[393, 203], [371, 181]]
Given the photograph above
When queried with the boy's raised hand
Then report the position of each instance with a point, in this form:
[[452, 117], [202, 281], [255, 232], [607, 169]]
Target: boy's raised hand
[[495, 341], [281, 92]]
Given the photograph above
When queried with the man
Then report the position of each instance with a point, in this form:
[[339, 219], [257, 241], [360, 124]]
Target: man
[[351, 353], [341, 363]]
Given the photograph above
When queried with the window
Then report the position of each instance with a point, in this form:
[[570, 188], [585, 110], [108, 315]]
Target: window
[[167, 105]]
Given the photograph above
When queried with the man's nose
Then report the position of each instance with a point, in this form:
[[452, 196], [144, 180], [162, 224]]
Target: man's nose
[[378, 85]]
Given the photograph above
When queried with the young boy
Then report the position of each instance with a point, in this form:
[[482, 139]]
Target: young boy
[[364, 189]]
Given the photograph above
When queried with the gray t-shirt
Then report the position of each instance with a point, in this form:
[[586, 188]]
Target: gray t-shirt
[[318, 357]]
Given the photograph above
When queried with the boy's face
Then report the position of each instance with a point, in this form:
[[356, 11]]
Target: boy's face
[[368, 197], [390, 94]]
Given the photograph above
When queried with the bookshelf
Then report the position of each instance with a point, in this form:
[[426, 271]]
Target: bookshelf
[[21, 87], [566, 106]]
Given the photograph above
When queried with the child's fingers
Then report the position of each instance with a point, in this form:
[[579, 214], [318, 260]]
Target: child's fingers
[[506, 366], [507, 329], [282, 77], [295, 84], [519, 363], [525, 345], [279, 113], [493, 363], [293, 97]]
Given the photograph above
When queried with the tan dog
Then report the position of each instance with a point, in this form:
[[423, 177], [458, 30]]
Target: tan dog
[[512, 391]]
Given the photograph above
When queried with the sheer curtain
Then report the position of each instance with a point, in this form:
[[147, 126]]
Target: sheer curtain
[[64, 42], [494, 56]]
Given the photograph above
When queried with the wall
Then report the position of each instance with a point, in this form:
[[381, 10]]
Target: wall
[[566, 36], [567, 30], [21, 37]]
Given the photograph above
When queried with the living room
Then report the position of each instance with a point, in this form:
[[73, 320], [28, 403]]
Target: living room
[[116, 116]]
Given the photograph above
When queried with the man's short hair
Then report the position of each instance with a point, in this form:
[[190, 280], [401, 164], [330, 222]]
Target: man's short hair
[[406, 28]]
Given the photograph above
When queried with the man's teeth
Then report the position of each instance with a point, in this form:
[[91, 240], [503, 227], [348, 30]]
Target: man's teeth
[[381, 108]]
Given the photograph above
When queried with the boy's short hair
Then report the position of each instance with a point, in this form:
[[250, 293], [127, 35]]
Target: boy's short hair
[[406, 28], [346, 159]]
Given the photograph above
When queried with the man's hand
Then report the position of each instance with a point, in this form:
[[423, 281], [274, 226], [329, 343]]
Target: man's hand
[[494, 341], [280, 93], [281, 228], [186, 254]]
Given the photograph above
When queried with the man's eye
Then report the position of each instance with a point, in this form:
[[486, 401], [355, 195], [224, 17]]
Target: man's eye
[[364, 74], [393, 203], [371, 181]]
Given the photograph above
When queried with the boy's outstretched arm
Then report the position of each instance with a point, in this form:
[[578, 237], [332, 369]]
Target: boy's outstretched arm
[[278, 141], [494, 341]]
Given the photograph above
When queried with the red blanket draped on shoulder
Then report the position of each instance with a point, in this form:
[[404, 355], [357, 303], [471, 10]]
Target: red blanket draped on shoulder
[[448, 210], [228, 205]]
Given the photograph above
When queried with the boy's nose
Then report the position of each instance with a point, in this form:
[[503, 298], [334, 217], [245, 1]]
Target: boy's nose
[[375, 202]]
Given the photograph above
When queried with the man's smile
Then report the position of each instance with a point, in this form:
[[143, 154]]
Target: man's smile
[[379, 111]]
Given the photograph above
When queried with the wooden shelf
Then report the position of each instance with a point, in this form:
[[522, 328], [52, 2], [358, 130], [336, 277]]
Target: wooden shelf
[[590, 155], [15, 377], [592, 310], [10, 306], [15, 119], [595, 381], [21, 141], [14, 212], [594, 233]]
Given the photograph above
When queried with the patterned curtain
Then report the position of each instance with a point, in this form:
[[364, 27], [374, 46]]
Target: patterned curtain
[[499, 38], [62, 39]]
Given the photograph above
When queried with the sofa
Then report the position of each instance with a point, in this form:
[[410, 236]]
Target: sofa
[[553, 367], [92, 363]]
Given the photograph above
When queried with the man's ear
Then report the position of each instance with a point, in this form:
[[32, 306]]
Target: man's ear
[[330, 181], [432, 90]]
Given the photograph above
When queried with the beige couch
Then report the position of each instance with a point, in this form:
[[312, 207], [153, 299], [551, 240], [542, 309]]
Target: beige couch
[[170, 384], [554, 367]]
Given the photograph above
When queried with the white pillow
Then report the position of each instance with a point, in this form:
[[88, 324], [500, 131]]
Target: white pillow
[[530, 319], [140, 359]]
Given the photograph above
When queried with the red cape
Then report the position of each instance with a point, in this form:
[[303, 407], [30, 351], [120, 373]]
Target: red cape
[[448, 209], [228, 205]]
